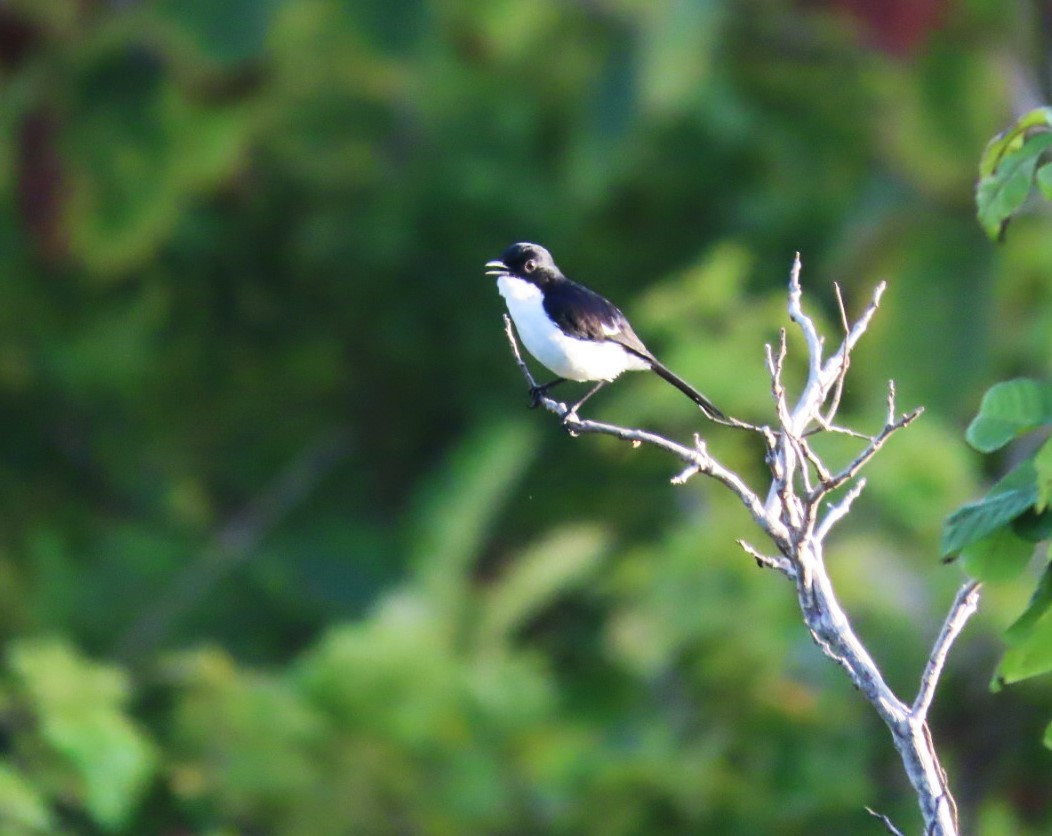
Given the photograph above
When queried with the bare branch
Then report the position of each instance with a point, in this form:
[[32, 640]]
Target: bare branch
[[509, 331], [775, 364], [871, 450], [838, 388], [838, 430], [840, 510], [802, 457], [819, 466], [840, 307], [789, 516], [807, 325], [857, 330], [765, 560], [885, 821], [685, 475], [963, 607], [823, 377], [693, 468], [696, 461]]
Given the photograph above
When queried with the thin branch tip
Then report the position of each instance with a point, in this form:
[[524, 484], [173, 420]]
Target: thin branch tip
[[965, 605], [888, 825], [764, 561]]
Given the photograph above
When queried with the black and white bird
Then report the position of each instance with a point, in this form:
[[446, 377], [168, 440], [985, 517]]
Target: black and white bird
[[573, 331]]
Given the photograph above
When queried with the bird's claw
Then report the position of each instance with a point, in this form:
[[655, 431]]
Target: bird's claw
[[537, 393]]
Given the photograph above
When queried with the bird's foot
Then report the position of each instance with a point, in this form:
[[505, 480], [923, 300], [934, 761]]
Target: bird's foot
[[537, 393]]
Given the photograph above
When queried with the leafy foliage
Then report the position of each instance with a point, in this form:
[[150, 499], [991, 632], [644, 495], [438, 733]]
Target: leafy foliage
[[85, 748], [1005, 503], [1010, 167], [1007, 411], [996, 535]]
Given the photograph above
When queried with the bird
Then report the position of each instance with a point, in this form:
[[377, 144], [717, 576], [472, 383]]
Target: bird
[[573, 331]]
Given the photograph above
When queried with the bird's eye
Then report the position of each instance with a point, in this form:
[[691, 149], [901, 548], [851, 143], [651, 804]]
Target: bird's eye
[[530, 266]]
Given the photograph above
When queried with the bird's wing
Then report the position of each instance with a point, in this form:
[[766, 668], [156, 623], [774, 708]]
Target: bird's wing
[[585, 314]]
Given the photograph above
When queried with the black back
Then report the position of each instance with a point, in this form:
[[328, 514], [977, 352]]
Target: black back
[[583, 313]]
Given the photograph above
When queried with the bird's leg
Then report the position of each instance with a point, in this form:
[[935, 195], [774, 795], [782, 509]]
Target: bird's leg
[[588, 394], [538, 392]]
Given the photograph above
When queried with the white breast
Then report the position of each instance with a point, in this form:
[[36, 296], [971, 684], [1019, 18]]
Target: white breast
[[566, 356]]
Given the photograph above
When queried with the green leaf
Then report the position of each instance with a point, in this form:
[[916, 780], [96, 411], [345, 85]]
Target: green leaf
[[1008, 499], [1035, 611], [112, 757], [1044, 180], [1012, 138], [1031, 656], [22, 807], [1043, 466], [1033, 526], [1009, 409], [78, 707], [999, 557], [1001, 193]]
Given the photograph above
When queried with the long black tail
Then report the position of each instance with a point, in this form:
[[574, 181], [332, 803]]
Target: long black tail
[[706, 405]]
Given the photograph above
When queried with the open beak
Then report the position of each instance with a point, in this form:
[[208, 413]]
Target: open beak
[[496, 268]]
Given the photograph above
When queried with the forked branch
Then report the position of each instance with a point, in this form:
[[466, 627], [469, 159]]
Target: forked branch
[[793, 513]]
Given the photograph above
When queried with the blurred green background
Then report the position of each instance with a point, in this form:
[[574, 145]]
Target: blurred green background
[[282, 550]]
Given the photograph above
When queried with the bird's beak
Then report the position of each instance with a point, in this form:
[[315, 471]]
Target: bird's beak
[[496, 268]]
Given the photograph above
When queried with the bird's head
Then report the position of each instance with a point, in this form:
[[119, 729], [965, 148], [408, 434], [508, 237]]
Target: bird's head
[[525, 261]]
